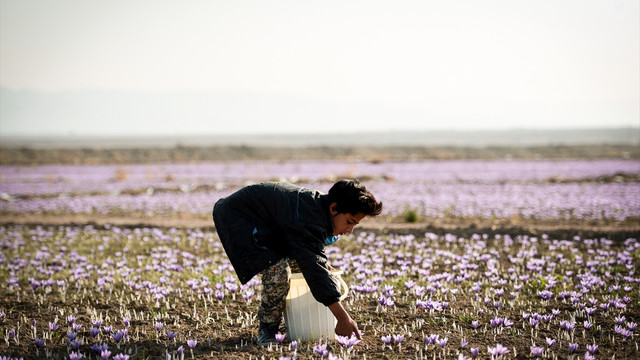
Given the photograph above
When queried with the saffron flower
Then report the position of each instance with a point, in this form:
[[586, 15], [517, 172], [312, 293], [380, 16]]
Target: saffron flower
[[171, 334], [321, 350], [53, 326], [280, 337], [474, 352], [587, 324], [192, 343], [348, 341], [105, 354], [117, 336], [442, 342], [573, 347], [121, 357], [386, 339], [545, 294], [592, 349], [75, 355], [398, 338], [536, 351], [39, 343], [550, 341], [499, 350]]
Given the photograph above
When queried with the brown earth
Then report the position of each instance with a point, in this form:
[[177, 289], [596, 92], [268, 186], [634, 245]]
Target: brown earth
[[459, 227], [34, 156]]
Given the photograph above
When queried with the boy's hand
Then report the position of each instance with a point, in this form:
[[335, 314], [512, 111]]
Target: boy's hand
[[346, 328], [345, 325]]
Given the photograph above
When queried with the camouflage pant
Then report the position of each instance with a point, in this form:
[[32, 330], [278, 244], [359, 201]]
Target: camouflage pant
[[275, 287]]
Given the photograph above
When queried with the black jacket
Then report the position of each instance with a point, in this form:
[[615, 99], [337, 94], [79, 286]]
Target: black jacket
[[260, 224]]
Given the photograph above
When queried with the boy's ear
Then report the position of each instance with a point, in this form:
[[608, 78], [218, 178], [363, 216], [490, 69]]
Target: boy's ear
[[333, 208]]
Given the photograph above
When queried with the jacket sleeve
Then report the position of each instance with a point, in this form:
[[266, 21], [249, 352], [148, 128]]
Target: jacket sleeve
[[307, 249]]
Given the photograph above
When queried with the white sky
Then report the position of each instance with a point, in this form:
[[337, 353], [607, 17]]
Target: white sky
[[147, 67]]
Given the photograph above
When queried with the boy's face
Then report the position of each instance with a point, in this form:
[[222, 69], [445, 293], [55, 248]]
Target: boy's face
[[343, 223]]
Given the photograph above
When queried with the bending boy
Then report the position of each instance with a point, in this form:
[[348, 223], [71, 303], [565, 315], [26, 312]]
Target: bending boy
[[262, 225]]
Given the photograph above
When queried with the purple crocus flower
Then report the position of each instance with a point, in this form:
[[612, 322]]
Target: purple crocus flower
[[294, 345], [536, 351], [105, 354], [180, 350], [550, 341], [498, 350], [321, 350], [567, 326], [475, 324], [94, 331], [53, 326], [398, 338], [348, 341], [386, 339], [442, 342], [431, 339], [117, 336], [71, 319], [280, 338], [587, 324], [592, 348], [97, 323], [545, 294], [39, 343], [71, 335], [573, 347], [98, 348], [171, 334], [192, 343], [495, 322], [75, 356], [474, 352], [121, 357]]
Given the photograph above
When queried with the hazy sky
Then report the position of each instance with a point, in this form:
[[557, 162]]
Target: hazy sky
[[150, 67]]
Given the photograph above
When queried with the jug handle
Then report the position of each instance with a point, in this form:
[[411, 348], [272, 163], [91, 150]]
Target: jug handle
[[344, 287]]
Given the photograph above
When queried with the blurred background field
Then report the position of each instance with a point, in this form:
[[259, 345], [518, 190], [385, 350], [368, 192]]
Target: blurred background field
[[503, 181]]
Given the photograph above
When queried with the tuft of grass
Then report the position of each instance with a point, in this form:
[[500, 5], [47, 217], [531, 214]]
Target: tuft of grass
[[410, 215]]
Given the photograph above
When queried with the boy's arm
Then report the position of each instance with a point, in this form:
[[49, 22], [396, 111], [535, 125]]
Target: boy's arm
[[345, 325]]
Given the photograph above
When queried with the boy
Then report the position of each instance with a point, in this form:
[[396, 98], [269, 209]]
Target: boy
[[262, 225]]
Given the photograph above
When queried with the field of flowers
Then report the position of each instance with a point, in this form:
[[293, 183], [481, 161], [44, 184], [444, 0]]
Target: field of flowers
[[528, 189], [145, 292]]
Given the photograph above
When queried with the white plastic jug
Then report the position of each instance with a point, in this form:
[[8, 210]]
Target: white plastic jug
[[304, 317]]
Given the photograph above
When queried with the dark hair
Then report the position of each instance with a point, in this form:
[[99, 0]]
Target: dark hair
[[352, 197]]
